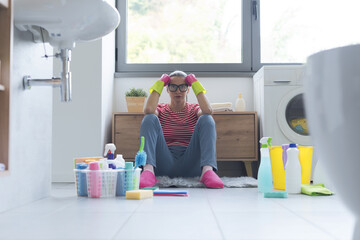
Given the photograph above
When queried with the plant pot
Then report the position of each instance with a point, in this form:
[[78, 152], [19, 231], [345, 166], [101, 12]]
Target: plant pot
[[135, 104]]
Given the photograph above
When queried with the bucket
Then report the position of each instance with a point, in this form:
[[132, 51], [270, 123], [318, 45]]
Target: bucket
[[277, 167], [305, 158]]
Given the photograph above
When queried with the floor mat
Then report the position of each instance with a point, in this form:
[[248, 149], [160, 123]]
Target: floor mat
[[229, 182]]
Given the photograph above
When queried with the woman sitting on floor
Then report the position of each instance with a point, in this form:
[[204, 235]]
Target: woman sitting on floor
[[180, 136]]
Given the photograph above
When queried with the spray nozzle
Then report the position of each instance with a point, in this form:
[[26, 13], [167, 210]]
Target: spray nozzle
[[109, 150], [265, 142]]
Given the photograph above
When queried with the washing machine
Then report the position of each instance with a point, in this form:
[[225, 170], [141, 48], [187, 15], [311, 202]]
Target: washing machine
[[278, 101]]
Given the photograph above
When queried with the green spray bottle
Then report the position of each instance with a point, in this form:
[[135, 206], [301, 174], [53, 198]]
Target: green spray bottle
[[265, 183]]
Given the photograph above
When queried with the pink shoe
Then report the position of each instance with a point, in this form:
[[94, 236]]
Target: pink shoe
[[211, 180], [147, 179]]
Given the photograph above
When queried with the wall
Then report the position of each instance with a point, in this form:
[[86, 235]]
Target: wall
[[76, 124], [82, 127], [30, 127], [107, 93], [218, 90]]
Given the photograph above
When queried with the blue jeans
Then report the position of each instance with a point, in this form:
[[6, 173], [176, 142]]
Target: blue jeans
[[180, 161]]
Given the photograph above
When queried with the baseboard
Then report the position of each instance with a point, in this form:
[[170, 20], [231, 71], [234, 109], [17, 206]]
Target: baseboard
[[63, 177]]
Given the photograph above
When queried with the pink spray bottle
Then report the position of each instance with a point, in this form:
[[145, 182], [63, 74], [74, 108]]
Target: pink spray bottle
[[94, 181]]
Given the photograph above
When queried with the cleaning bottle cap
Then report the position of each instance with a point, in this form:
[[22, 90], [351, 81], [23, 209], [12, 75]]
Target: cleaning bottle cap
[[240, 95], [112, 166], [81, 165], [120, 161], [292, 145], [129, 165], [94, 166], [265, 142], [110, 150]]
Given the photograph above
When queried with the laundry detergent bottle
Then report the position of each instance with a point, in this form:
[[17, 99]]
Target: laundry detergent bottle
[[265, 183], [240, 104], [293, 170]]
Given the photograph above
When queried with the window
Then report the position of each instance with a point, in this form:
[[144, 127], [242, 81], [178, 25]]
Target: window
[[192, 35], [293, 30], [229, 35]]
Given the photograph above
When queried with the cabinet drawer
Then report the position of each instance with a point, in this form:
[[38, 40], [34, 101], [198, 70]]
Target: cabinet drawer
[[126, 134], [236, 136]]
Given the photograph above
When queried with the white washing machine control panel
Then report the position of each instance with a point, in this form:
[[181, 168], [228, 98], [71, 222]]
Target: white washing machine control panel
[[284, 75]]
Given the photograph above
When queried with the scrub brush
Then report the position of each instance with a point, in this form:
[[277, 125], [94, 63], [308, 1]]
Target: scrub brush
[[140, 158]]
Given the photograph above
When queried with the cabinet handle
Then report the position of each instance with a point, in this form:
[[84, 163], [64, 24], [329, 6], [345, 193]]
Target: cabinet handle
[[282, 81]]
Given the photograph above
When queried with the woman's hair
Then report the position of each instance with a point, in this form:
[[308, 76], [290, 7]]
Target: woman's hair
[[178, 73]]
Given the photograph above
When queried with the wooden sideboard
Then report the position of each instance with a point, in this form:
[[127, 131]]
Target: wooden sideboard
[[237, 136]]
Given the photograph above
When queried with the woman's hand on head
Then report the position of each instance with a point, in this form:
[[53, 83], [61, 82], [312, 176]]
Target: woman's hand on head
[[165, 78], [190, 79]]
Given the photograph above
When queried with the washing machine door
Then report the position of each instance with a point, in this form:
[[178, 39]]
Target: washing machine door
[[291, 117]]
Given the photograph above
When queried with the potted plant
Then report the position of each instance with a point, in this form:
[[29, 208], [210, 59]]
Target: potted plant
[[135, 99]]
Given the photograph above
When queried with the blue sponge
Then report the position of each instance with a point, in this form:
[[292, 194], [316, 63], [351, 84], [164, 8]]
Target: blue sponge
[[276, 194]]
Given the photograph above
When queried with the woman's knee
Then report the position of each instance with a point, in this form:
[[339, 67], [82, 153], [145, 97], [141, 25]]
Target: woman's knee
[[150, 120], [150, 117], [207, 120]]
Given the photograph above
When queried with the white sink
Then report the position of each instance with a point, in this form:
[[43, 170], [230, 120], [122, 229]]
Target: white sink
[[332, 104], [66, 21]]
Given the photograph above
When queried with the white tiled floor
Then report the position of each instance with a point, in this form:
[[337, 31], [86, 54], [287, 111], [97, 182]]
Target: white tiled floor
[[230, 213]]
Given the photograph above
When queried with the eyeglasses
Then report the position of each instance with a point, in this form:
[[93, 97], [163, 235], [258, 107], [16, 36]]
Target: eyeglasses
[[174, 87]]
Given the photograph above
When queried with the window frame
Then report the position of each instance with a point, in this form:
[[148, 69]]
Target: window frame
[[250, 47]]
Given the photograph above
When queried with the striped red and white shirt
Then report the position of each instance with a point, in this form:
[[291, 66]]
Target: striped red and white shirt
[[178, 127]]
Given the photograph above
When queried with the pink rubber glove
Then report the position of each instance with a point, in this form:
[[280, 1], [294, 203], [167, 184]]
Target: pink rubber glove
[[166, 79], [190, 79]]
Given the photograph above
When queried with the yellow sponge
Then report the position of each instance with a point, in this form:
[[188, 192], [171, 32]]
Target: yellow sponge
[[139, 194]]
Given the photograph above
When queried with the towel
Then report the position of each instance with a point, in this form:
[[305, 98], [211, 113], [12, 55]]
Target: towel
[[222, 110], [315, 190], [222, 107]]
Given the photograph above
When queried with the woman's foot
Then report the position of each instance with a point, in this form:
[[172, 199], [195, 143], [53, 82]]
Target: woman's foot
[[147, 177], [205, 169], [211, 179], [149, 167]]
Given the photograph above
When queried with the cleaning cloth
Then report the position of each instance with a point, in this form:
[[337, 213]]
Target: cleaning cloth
[[171, 193], [315, 190]]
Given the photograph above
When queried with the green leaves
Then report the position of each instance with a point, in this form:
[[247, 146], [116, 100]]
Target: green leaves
[[138, 92]]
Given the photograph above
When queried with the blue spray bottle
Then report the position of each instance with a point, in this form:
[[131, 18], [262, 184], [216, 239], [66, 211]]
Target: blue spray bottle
[[265, 183]]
